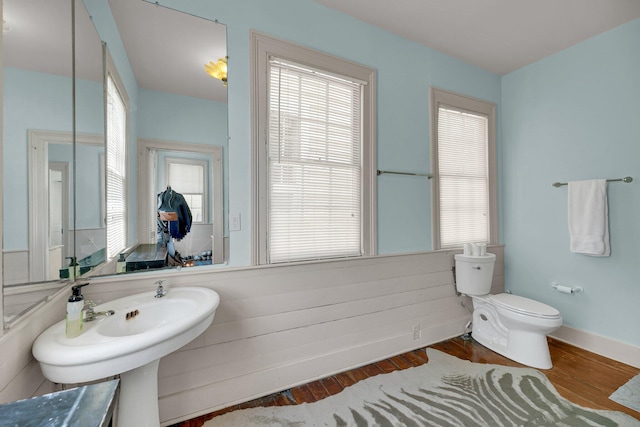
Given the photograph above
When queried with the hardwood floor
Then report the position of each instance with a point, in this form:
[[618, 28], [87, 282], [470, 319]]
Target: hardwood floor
[[582, 377]]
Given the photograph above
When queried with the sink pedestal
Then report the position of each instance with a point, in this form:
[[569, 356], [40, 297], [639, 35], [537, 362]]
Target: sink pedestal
[[138, 404]]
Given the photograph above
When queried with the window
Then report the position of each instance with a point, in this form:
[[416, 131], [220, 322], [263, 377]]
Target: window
[[116, 153], [315, 155], [463, 163], [189, 177]]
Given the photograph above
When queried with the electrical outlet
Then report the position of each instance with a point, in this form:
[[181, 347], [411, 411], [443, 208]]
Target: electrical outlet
[[417, 333], [234, 222]]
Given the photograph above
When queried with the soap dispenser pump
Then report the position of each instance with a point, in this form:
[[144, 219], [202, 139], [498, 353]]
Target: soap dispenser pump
[[74, 312]]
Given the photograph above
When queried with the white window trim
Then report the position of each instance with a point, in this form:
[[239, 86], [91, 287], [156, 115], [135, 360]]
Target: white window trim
[[262, 48], [439, 97]]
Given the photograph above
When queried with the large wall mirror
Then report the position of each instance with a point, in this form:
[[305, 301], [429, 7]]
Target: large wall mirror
[[52, 140], [177, 117], [177, 126]]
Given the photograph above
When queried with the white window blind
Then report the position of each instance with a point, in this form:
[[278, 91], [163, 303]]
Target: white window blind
[[189, 180], [314, 164], [116, 170], [463, 174]]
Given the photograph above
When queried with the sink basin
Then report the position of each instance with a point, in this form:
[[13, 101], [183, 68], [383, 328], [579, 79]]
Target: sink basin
[[130, 343], [152, 317]]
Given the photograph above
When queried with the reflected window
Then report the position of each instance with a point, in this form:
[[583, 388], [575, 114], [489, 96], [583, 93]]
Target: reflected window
[[116, 166], [188, 177]]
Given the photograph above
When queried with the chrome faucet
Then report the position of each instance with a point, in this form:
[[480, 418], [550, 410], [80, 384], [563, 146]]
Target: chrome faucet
[[91, 315], [160, 291]]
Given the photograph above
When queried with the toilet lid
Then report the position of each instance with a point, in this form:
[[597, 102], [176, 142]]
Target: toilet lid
[[524, 305]]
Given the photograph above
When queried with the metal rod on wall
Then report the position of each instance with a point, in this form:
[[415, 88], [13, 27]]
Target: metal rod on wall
[[428, 175], [626, 179]]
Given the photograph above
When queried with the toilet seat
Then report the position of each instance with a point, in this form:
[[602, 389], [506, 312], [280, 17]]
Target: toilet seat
[[524, 306]]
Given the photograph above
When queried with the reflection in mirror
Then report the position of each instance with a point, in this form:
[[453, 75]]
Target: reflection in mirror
[[178, 112], [38, 135], [52, 156], [195, 171], [89, 231]]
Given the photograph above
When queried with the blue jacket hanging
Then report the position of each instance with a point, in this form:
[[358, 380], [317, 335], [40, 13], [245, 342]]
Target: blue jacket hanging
[[172, 201]]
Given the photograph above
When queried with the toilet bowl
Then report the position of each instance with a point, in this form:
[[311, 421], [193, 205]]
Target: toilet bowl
[[511, 325]]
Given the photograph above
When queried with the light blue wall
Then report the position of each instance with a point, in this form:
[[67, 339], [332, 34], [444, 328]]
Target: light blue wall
[[572, 116], [88, 181], [172, 117], [32, 100], [405, 72]]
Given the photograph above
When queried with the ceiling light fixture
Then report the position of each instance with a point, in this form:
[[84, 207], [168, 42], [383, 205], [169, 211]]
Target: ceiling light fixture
[[217, 70]]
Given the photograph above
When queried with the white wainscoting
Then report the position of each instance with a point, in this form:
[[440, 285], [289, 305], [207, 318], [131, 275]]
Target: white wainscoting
[[280, 326], [20, 375], [18, 299]]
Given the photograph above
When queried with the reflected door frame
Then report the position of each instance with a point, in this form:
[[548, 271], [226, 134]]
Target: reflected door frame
[[39, 195], [62, 205]]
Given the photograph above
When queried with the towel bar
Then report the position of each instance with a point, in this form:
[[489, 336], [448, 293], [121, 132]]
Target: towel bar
[[625, 179], [428, 175]]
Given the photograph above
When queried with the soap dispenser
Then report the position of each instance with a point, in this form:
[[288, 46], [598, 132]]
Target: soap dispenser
[[121, 264], [74, 311]]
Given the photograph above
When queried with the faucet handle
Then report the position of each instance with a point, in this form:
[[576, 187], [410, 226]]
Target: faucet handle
[[88, 305]]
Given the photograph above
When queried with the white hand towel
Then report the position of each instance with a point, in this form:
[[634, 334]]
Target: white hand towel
[[589, 217]]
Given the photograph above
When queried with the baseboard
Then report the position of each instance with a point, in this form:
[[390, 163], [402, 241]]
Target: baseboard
[[616, 350]]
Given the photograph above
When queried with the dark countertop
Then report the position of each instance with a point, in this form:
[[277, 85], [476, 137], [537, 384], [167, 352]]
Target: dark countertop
[[146, 256], [86, 406]]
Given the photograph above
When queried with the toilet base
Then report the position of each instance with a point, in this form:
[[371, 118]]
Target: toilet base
[[531, 350], [517, 343]]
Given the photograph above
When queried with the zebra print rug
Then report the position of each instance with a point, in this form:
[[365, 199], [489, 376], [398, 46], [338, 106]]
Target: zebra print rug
[[445, 392]]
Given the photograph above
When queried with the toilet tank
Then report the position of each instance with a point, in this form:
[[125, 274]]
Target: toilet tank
[[474, 273]]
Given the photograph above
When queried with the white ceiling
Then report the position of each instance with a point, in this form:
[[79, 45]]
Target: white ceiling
[[496, 35], [167, 49]]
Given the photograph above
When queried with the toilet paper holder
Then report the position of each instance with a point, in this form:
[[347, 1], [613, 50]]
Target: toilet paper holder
[[566, 289]]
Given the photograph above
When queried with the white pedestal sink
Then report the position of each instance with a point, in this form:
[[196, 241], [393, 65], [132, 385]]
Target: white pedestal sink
[[130, 343]]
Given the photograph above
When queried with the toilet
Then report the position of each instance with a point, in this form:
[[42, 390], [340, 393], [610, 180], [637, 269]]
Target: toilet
[[511, 325]]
